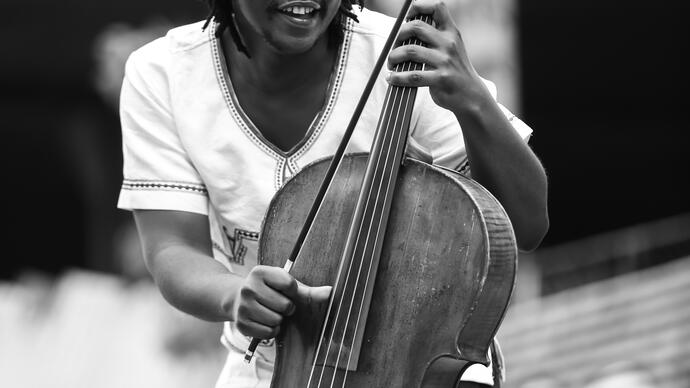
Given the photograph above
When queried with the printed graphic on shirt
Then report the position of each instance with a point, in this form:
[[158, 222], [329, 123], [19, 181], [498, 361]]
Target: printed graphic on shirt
[[235, 244]]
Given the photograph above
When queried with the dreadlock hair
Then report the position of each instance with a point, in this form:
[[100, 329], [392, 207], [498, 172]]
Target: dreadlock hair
[[222, 12]]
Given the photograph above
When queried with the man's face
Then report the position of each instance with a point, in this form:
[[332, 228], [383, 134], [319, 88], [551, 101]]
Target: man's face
[[289, 26]]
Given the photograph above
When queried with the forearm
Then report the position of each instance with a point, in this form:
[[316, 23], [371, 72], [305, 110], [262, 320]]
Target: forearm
[[503, 163], [499, 159], [194, 282]]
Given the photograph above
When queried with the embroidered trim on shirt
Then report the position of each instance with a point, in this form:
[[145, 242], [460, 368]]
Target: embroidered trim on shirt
[[227, 95], [249, 129], [337, 81], [279, 173], [245, 123], [292, 168], [132, 184]]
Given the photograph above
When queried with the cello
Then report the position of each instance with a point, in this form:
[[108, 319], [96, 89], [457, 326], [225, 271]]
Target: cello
[[427, 262]]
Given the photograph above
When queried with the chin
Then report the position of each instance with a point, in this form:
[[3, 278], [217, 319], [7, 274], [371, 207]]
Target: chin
[[295, 46]]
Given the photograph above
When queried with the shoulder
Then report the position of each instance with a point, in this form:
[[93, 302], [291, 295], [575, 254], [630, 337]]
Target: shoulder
[[158, 54], [372, 24], [189, 37]]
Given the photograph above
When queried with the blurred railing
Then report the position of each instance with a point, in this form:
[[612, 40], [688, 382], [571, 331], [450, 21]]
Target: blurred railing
[[631, 330], [611, 254]]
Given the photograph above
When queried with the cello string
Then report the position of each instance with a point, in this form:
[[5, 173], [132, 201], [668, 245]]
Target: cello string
[[364, 253], [330, 307], [365, 250], [377, 235], [358, 315], [389, 42], [396, 150], [407, 92], [360, 251], [322, 337]]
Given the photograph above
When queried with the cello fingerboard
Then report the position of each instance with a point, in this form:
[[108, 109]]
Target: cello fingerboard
[[347, 314]]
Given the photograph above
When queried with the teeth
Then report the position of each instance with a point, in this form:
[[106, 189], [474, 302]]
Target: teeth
[[299, 10]]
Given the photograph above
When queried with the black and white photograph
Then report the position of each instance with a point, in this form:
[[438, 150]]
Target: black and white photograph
[[345, 193]]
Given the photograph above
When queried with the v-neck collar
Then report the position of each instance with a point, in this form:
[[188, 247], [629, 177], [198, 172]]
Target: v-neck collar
[[246, 124]]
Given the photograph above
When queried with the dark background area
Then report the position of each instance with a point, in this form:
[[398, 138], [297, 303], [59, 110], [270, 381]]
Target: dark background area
[[603, 85], [60, 140]]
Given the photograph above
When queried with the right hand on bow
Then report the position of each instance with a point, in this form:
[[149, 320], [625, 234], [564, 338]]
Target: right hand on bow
[[269, 294]]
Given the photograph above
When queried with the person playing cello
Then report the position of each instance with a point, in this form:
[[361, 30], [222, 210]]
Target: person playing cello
[[216, 116]]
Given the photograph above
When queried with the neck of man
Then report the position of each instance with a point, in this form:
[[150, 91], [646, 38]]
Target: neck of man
[[270, 71]]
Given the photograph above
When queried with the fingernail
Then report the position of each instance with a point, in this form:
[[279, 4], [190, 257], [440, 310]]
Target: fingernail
[[324, 289], [388, 77], [324, 292]]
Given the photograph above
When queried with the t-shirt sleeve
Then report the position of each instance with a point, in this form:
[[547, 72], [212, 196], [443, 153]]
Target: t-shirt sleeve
[[158, 174], [437, 133]]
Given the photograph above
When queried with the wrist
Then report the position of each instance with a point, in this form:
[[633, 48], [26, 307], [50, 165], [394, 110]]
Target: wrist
[[229, 286], [476, 99]]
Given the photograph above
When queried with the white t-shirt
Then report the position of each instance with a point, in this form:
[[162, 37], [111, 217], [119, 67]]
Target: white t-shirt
[[188, 145]]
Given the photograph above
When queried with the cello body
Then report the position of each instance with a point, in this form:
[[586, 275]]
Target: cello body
[[444, 279]]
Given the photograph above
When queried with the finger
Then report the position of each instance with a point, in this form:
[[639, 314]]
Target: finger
[[412, 78], [276, 278], [416, 54], [436, 8], [257, 330], [270, 298], [309, 295], [417, 30], [259, 313], [282, 282]]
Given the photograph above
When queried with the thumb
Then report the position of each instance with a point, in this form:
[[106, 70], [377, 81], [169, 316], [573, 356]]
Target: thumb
[[309, 295]]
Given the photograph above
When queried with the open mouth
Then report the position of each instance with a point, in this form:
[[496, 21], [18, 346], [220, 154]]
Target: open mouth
[[299, 10]]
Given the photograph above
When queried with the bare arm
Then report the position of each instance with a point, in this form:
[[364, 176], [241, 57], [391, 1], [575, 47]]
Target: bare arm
[[500, 160], [503, 163], [177, 250]]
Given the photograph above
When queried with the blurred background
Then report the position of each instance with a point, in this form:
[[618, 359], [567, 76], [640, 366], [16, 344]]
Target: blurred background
[[604, 302]]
